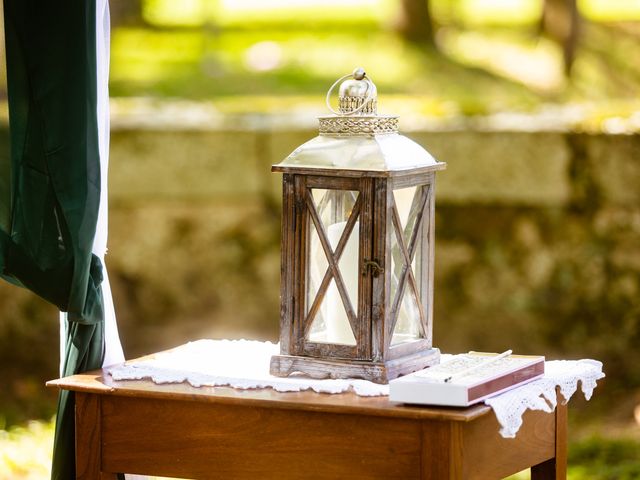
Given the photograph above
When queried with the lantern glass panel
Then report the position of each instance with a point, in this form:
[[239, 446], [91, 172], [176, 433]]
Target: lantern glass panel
[[326, 308], [331, 323], [408, 327], [405, 224], [317, 265]]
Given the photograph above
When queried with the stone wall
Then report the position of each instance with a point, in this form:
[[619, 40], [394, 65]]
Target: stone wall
[[538, 244]]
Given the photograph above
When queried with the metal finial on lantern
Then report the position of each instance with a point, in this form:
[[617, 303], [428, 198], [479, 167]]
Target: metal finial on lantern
[[357, 94], [357, 245]]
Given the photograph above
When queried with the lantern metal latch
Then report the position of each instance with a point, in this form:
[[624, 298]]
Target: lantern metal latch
[[373, 267]]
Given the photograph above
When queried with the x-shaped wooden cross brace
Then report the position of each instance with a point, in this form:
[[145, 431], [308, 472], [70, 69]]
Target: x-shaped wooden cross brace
[[333, 271], [407, 255]]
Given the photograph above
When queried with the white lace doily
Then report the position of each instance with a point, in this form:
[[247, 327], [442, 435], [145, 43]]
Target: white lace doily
[[541, 394], [244, 364], [239, 364]]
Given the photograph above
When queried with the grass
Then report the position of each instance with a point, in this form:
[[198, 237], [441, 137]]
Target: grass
[[198, 65], [25, 454], [609, 459]]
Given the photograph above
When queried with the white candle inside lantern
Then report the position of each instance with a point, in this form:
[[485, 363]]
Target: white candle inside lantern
[[336, 319]]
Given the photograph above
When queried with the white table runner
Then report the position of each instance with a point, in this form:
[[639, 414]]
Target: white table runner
[[244, 364]]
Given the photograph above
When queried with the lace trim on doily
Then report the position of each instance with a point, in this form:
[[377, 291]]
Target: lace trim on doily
[[540, 394]]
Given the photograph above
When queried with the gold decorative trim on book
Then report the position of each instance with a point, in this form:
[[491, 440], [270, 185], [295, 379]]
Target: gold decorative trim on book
[[347, 126]]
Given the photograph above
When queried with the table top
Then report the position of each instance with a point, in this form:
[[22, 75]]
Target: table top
[[100, 382]]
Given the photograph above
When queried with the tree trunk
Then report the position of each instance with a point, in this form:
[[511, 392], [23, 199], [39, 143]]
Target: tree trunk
[[415, 22], [561, 22], [126, 12]]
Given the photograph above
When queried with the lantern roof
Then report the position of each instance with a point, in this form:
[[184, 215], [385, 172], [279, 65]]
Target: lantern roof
[[356, 139]]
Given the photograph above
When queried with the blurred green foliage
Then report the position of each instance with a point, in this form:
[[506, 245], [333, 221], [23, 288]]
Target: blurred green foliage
[[490, 55], [187, 64], [258, 13], [605, 459], [229, 13], [25, 451]]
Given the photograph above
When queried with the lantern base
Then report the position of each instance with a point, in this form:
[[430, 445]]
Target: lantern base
[[378, 372]]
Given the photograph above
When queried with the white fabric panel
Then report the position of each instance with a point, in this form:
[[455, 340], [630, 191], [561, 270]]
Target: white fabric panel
[[63, 340], [102, 57], [113, 348]]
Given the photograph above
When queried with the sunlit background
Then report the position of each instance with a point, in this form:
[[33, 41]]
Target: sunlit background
[[534, 105], [459, 57]]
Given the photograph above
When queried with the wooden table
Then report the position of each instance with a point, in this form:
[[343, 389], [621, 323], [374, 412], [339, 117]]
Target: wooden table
[[222, 433]]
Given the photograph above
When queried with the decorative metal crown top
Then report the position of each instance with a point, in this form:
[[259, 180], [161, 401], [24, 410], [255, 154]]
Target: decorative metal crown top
[[355, 137], [357, 112]]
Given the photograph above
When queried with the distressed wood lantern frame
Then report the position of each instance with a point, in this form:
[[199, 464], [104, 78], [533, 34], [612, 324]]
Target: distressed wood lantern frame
[[387, 256]]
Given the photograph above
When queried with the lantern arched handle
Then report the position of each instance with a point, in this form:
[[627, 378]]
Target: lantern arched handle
[[370, 93]]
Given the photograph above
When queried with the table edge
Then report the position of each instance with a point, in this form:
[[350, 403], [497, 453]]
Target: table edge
[[98, 382]]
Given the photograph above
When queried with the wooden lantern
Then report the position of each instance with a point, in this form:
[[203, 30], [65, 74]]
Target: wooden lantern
[[357, 246]]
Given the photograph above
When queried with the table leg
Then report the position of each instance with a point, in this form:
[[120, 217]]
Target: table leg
[[442, 447], [555, 468], [88, 452]]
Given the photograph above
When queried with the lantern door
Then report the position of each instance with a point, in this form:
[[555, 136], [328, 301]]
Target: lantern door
[[333, 228], [410, 234]]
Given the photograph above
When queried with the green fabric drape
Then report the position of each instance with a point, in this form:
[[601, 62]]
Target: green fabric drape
[[50, 188]]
